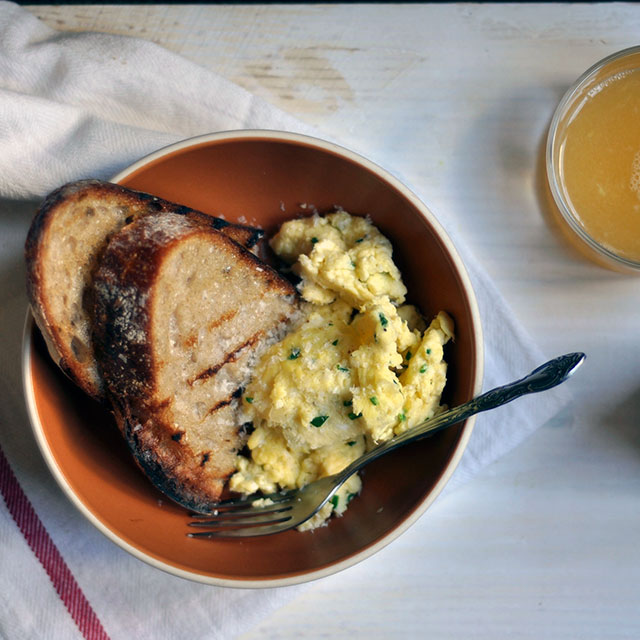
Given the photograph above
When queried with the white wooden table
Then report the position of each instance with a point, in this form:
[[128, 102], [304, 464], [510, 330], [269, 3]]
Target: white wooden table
[[545, 543]]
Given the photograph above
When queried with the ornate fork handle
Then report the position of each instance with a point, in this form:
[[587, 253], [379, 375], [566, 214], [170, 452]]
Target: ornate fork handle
[[545, 377]]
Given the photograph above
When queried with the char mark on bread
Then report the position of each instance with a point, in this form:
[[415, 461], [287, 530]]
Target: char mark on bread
[[231, 356], [223, 403]]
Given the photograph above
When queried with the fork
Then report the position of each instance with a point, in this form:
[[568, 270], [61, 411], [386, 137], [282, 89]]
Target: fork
[[284, 510]]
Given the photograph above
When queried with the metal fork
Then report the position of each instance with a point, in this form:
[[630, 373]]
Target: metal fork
[[289, 509]]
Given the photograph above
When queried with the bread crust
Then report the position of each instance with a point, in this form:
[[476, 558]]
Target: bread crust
[[68, 207], [162, 440]]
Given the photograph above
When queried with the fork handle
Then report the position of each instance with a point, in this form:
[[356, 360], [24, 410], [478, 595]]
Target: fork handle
[[545, 377]]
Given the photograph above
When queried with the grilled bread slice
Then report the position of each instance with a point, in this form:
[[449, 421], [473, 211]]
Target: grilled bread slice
[[63, 246], [181, 315]]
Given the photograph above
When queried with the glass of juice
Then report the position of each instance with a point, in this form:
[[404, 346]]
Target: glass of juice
[[593, 162]]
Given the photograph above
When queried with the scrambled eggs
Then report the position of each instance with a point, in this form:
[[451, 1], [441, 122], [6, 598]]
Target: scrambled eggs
[[361, 368]]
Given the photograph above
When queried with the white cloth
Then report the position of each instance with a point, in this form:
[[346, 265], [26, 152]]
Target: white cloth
[[87, 105]]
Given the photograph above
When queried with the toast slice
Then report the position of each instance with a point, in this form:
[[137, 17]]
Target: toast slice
[[66, 238], [181, 315]]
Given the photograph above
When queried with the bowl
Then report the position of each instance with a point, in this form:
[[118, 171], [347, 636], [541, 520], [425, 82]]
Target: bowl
[[593, 162], [265, 178]]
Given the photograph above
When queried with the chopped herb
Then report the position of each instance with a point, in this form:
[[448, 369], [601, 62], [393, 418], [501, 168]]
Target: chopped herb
[[334, 501], [353, 416], [318, 421], [295, 353], [373, 400], [341, 368], [347, 403], [359, 240], [334, 343], [423, 368], [408, 356], [248, 399], [353, 264], [401, 417], [428, 352], [350, 497], [314, 240], [330, 324], [351, 443], [375, 336], [383, 320]]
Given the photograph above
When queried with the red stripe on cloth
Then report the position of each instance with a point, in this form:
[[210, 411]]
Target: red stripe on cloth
[[47, 553]]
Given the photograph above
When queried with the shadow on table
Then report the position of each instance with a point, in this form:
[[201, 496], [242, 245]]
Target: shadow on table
[[624, 421]]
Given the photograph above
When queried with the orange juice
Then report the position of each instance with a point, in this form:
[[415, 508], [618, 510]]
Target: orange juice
[[596, 160]]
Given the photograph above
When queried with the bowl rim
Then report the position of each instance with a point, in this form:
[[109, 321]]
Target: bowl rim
[[562, 110], [355, 558]]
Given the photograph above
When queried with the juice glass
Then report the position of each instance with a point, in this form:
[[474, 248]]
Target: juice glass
[[593, 162]]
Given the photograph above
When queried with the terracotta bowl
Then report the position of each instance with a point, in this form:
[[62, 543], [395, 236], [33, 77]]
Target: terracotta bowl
[[265, 178]]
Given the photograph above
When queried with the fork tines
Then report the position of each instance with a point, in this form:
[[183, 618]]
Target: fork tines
[[234, 519]]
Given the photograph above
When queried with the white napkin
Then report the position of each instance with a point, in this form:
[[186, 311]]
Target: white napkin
[[87, 105]]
